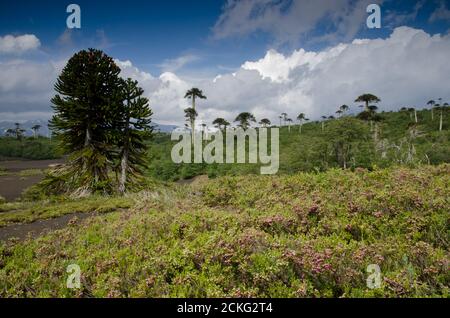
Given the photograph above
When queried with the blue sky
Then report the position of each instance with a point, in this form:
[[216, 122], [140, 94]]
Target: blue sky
[[186, 43], [147, 32], [151, 32]]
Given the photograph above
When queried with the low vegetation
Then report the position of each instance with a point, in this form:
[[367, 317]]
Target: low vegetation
[[29, 148], [304, 235], [27, 212]]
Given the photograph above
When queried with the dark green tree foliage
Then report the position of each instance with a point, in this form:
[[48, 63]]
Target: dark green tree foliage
[[18, 132], [220, 123], [92, 109], [86, 108], [35, 130], [245, 119], [367, 98], [134, 130], [191, 113], [346, 136], [194, 93], [265, 122]]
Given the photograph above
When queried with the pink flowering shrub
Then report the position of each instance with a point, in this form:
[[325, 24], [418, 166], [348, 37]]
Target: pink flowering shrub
[[305, 235]]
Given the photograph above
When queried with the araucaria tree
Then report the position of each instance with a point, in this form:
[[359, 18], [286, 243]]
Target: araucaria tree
[[367, 99], [344, 109], [284, 116], [370, 115], [193, 94], [265, 122], [301, 119], [35, 130], [18, 132], [190, 114], [289, 121], [441, 108], [86, 109], [90, 115], [431, 103], [133, 129], [220, 123], [244, 120]]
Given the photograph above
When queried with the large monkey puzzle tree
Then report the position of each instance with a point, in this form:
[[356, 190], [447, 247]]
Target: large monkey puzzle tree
[[87, 106]]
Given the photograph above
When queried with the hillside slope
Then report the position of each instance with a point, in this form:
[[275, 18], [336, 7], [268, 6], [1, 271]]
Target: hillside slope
[[305, 235], [396, 139]]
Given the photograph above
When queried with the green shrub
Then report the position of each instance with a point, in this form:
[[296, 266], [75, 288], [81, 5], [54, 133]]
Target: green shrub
[[304, 235]]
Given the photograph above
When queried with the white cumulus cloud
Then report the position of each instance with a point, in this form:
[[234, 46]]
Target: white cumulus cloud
[[406, 69], [165, 92], [18, 44], [26, 87]]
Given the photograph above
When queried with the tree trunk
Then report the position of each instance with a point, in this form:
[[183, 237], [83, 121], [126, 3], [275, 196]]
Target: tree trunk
[[440, 122], [193, 121], [87, 143], [192, 130], [432, 114], [124, 160], [123, 171], [323, 126], [415, 116], [88, 137]]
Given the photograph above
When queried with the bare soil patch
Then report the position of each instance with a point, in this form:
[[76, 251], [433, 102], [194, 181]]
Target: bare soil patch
[[19, 165], [12, 185], [40, 227]]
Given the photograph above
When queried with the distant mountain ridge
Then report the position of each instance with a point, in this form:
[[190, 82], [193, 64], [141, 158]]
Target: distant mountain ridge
[[44, 131]]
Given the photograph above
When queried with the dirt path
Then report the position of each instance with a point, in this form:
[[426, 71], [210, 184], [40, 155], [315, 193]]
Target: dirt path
[[40, 227]]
